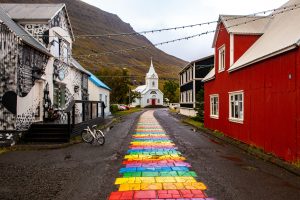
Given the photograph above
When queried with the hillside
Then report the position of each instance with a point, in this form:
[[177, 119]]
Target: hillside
[[87, 19]]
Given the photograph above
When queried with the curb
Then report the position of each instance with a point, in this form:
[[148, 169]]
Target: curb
[[247, 148]]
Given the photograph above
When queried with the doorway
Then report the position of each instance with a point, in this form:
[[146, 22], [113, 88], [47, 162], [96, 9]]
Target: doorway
[[153, 102]]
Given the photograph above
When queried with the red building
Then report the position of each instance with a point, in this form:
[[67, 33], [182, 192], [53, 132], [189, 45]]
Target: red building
[[253, 93]]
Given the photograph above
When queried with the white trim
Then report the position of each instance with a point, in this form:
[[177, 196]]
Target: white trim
[[263, 58], [210, 106], [231, 49], [236, 120], [221, 48]]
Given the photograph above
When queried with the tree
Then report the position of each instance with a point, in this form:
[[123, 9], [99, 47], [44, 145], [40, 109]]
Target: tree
[[170, 90], [118, 81], [200, 105]]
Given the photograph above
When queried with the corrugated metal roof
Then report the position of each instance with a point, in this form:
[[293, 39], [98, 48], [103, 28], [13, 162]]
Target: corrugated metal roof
[[18, 11], [140, 88], [21, 33], [32, 11], [210, 75], [241, 24], [244, 24], [79, 66], [282, 34], [98, 82], [194, 61]]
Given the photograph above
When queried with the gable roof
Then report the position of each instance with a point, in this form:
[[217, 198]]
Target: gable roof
[[198, 60], [242, 25], [79, 66], [18, 11], [282, 34], [21, 33], [210, 75], [140, 88], [98, 82]]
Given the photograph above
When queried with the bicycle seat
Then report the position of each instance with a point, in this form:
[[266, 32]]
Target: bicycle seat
[[95, 126]]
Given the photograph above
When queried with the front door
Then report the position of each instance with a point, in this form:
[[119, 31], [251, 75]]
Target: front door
[[153, 102]]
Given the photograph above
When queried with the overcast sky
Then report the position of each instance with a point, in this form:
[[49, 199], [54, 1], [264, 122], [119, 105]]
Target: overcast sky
[[156, 14]]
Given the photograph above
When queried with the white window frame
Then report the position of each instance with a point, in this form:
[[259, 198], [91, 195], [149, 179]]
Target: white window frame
[[222, 59], [240, 118], [216, 114]]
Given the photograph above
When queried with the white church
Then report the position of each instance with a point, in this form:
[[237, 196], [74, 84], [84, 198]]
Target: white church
[[150, 95]]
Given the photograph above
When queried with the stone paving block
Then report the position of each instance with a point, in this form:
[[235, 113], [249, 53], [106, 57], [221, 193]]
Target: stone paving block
[[151, 186], [170, 173], [183, 179], [144, 194], [130, 187], [187, 173], [165, 179], [145, 180], [132, 174], [149, 174], [194, 186], [173, 186]]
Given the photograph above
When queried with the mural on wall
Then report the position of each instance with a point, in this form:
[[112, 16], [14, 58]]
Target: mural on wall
[[8, 66], [60, 20], [24, 120], [61, 70], [38, 31], [32, 65]]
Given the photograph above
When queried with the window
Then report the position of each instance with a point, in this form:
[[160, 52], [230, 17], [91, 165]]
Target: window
[[153, 92], [147, 100], [59, 96], [214, 106], [222, 58], [105, 100], [158, 100], [55, 47], [100, 99], [153, 83], [236, 106]]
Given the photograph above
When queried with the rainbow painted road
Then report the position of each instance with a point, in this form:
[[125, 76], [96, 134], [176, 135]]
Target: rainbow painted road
[[155, 169]]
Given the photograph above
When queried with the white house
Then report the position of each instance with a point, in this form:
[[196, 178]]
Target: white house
[[99, 91], [150, 95], [39, 77]]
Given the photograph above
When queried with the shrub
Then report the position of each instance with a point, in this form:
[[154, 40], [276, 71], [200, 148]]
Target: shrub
[[113, 108]]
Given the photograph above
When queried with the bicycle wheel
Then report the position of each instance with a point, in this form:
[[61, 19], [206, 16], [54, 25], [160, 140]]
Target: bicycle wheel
[[100, 137], [87, 136]]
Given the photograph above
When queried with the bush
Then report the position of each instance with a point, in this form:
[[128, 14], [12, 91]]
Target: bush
[[113, 108], [138, 106]]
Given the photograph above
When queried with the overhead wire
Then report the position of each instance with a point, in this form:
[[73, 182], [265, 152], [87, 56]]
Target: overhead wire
[[186, 38]]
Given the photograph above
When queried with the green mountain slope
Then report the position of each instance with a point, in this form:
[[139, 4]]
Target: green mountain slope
[[87, 19]]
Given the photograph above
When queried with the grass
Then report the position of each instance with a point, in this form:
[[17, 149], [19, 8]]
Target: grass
[[3, 150], [127, 112], [174, 110], [193, 122], [297, 164]]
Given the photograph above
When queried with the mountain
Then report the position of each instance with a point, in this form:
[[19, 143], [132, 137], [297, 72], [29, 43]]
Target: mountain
[[87, 19]]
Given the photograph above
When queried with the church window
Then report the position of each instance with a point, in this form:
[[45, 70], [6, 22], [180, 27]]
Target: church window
[[147, 100], [153, 83], [153, 92]]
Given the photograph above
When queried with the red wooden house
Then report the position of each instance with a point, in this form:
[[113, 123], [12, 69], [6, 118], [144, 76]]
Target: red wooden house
[[253, 93]]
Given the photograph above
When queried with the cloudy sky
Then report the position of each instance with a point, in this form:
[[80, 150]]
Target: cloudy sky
[[155, 14]]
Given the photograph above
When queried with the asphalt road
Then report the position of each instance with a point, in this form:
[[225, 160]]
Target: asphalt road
[[228, 172], [86, 171]]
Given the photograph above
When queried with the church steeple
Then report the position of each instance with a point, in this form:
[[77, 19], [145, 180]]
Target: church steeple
[[151, 73], [152, 77]]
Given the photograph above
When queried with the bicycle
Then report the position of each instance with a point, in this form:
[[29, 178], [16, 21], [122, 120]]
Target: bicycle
[[89, 135]]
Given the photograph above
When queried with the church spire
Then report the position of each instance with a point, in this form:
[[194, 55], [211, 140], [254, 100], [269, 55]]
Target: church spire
[[151, 71]]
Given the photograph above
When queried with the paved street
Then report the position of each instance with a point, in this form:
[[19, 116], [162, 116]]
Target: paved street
[[96, 172]]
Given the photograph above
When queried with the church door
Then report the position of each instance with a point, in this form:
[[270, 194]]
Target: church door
[[153, 102]]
